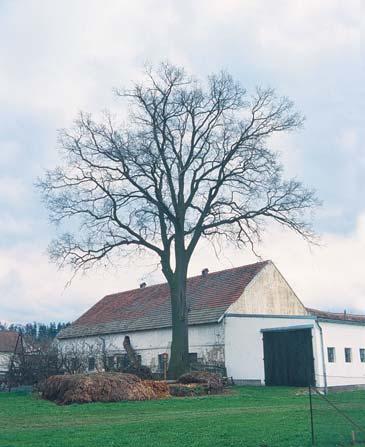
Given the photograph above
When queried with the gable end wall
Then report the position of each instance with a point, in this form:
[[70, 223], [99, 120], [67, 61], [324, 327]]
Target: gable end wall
[[268, 293]]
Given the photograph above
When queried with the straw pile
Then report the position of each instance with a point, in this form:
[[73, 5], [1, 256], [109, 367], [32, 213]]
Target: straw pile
[[100, 387], [114, 386], [213, 382], [160, 388], [188, 389]]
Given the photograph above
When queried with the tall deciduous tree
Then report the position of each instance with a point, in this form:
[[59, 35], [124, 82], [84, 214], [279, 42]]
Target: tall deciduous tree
[[192, 161]]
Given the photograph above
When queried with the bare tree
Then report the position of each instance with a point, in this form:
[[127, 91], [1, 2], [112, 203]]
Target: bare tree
[[192, 161], [74, 356]]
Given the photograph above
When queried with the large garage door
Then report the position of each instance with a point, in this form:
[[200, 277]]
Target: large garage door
[[288, 357]]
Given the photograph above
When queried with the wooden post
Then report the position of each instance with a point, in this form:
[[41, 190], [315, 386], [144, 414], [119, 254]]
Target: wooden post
[[311, 414], [353, 438], [165, 357]]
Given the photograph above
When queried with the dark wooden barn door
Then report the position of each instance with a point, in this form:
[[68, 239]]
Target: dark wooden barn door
[[288, 357]]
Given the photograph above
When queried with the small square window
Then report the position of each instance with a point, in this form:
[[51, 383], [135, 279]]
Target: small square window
[[331, 354], [74, 364], [91, 364], [122, 362], [348, 355], [163, 361], [193, 357], [111, 363], [362, 355]]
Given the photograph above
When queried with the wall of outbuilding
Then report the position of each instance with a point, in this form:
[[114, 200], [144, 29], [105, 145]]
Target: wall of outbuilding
[[341, 335], [244, 353], [205, 340], [5, 358]]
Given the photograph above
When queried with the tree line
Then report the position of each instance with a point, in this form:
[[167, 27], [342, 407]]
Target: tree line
[[37, 331]]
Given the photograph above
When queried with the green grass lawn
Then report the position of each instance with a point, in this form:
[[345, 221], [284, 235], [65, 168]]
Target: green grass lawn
[[247, 416]]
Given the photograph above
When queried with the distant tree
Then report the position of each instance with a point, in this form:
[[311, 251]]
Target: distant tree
[[39, 331], [35, 361], [192, 161], [42, 331]]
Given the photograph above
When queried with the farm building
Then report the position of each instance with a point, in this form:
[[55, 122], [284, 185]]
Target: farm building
[[9, 347], [246, 319]]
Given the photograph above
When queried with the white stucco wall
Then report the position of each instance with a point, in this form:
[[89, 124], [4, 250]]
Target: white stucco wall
[[4, 362], [244, 350], [341, 336], [206, 340], [268, 293]]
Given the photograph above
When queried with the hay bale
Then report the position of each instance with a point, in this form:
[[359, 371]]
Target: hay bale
[[213, 381], [97, 387]]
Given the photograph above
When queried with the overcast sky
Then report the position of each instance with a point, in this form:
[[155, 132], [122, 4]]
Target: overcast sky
[[61, 57]]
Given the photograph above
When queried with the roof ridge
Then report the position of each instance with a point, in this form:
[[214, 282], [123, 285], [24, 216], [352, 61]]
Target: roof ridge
[[190, 277], [150, 307], [313, 309]]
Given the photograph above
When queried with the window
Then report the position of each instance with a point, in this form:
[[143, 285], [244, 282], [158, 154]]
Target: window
[[193, 357], [122, 362], [331, 354], [362, 355], [91, 364], [110, 363], [348, 355], [163, 362], [139, 360], [73, 363]]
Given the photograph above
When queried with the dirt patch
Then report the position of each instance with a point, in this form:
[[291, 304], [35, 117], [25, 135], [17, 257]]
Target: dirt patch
[[101, 387]]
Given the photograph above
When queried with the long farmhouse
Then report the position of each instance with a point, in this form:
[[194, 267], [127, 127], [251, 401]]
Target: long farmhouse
[[245, 319]]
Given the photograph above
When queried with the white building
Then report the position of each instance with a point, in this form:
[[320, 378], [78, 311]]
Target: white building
[[247, 319], [9, 348]]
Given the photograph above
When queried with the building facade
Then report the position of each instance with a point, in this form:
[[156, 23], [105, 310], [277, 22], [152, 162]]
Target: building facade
[[247, 320]]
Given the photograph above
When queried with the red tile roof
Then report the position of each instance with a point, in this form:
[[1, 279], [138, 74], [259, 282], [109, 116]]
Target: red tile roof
[[8, 341], [336, 315], [149, 308]]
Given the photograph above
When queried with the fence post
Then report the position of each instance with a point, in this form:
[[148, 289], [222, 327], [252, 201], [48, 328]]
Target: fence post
[[311, 413], [165, 361], [353, 438]]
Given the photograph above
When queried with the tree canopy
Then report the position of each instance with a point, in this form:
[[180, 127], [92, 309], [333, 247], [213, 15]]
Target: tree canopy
[[192, 160]]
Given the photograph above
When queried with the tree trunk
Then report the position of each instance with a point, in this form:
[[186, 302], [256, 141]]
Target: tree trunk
[[179, 358]]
